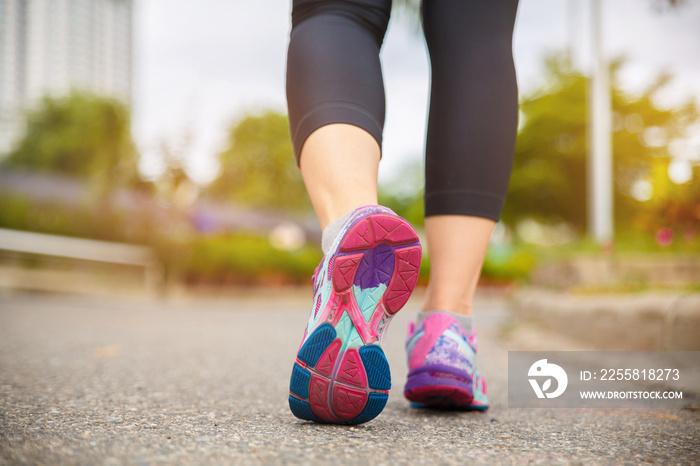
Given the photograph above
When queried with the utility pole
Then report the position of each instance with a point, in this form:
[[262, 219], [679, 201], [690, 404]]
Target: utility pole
[[600, 183]]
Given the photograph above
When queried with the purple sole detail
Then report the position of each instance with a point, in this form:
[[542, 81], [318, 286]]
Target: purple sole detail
[[441, 386], [441, 396], [376, 268], [444, 398], [426, 379], [445, 369]]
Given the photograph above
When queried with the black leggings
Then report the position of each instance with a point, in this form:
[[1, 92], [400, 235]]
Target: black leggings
[[334, 76]]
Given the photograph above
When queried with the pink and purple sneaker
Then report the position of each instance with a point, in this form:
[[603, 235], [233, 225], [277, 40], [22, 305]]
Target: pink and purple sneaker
[[442, 373], [341, 374]]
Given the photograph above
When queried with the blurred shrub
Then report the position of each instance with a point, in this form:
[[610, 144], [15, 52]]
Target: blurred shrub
[[626, 242], [502, 265], [247, 258], [507, 263], [241, 258], [227, 259], [14, 212], [21, 213]]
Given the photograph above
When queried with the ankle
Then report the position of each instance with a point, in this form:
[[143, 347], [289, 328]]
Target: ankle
[[462, 308], [465, 321], [331, 231]]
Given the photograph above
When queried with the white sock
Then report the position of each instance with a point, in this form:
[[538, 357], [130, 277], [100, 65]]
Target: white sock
[[467, 322], [331, 231]]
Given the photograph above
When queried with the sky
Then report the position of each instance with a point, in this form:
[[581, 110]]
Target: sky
[[200, 66]]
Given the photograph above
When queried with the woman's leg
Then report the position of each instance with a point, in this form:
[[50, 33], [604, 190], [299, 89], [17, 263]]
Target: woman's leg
[[457, 245], [470, 142], [335, 95], [339, 164]]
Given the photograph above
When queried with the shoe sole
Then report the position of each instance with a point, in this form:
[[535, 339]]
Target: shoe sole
[[341, 374], [428, 387]]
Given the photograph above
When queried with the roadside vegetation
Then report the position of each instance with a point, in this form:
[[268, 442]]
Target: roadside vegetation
[[85, 141]]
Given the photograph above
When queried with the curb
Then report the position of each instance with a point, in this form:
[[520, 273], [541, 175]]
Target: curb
[[627, 322]]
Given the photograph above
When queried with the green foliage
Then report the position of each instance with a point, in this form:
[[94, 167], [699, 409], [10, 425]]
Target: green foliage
[[503, 264], [549, 171], [14, 211], [258, 168], [81, 134], [21, 213], [506, 262], [248, 258], [240, 258]]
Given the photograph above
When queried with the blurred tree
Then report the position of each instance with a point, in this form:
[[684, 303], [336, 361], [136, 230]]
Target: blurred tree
[[549, 171], [81, 134], [174, 186], [258, 168]]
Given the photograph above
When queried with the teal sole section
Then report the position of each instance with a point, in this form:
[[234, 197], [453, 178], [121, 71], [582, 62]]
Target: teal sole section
[[375, 405], [347, 332], [302, 410], [316, 344], [299, 384], [376, 366]]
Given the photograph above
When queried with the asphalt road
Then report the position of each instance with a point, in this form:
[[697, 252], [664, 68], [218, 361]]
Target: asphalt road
[[88, 380]]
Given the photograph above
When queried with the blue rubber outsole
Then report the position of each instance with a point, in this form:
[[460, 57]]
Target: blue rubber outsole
[[316, 344]]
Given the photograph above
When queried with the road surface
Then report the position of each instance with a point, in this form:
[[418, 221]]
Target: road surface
[[94, 380]]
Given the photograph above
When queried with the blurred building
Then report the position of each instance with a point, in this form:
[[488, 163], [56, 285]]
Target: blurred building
[[48, 47]]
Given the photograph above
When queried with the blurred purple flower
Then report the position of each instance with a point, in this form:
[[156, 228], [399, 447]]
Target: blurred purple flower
[[204, 222]]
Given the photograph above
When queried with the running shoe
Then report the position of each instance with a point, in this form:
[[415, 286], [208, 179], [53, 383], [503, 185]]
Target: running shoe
[[341, 374], [441, 362]]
